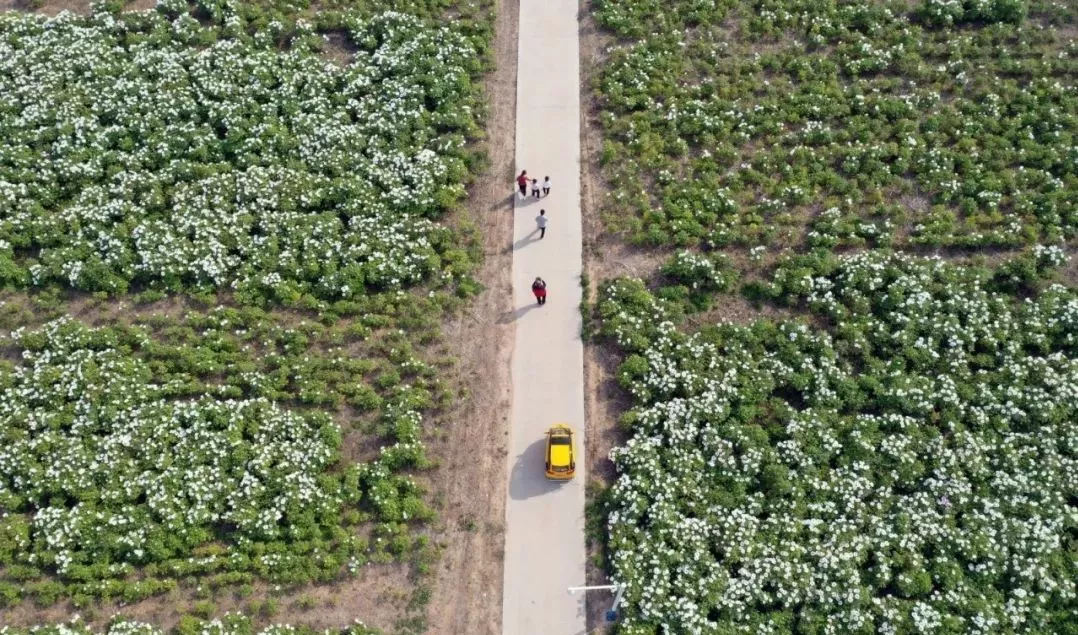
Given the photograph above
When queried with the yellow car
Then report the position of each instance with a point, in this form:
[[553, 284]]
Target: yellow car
[[560, 462]]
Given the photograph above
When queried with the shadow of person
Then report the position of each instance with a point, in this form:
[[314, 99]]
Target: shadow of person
[[516, 314], [530, 238], [528, 478], [506, 202]]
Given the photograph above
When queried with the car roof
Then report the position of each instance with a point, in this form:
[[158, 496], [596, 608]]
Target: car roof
[[561, 455]]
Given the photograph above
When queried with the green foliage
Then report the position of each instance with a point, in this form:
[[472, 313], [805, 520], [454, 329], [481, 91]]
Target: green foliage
[[1023, 272], [790, 123], [697, 277], [200, 155], [306, 602], [224, 162], [204, 609], [882, 474], [229, 624], [226, 373], [950, 12], [270, 607]]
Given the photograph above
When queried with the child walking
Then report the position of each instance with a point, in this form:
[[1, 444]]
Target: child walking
[[546, 185], [541, 221], [539, 289], [535, 188]]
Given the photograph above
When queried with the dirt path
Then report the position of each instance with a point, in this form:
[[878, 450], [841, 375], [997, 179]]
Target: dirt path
[[544, 543], [467, 588], [606, 255]]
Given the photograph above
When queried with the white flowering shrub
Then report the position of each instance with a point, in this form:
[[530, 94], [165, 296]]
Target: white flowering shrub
[[912, 468], [147, 149], [1025, 271], [695, 277], [247, 154], [948, 12], [133, 458], [943, 12], [113, 470], [1050, 256], [230, 624], [701, 272], [833, 227], [806, 123]]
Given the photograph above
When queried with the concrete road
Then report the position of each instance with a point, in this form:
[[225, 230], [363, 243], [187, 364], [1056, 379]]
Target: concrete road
[[544, 543]]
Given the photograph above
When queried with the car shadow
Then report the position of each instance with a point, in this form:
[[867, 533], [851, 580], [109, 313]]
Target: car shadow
[[513, 316], [528, 478]]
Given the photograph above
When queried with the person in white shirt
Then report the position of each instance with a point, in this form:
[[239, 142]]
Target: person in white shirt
[[546, 185], [541, 221]]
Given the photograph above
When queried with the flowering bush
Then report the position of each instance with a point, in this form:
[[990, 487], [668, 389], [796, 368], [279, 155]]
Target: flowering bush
[[701, 272], [260, 153], [696, 277], [147, 149], [912, 468], [136, 456], [1024, 271], [746, 123], [115, 471], [948, 12], [230, 624]]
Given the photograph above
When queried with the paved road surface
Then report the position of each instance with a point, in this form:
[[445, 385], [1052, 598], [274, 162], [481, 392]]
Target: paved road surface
[[544, 544]]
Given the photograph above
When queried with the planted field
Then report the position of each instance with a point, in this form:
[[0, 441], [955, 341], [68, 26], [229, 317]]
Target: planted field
[[170, 446], [870, 439], [781, 123], [907, 467], [225, 274], [231, 624], [162, 154]]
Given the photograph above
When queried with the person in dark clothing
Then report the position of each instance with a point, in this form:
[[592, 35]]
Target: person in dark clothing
[[522, 183], [539, 289]]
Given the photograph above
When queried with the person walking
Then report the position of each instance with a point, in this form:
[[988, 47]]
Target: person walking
[[535, 188], [541, 221], [539, 289], [546, 185], [522, 183]]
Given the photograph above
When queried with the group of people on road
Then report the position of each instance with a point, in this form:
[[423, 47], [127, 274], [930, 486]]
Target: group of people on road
[[538, 191], [523, 181]]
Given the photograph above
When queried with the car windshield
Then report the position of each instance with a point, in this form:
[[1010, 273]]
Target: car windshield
[[559, 440]]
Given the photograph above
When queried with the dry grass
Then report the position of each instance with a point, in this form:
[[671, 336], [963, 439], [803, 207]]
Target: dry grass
[[377, 596], [53, 7], [467, 589], [605, 256], [46, 7], [339, 48]]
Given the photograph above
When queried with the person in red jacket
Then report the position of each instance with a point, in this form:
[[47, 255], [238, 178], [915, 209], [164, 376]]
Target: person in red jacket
[[522, 183], [539, 289]]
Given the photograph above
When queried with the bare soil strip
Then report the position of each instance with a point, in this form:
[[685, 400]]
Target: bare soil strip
[[467, 595]]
